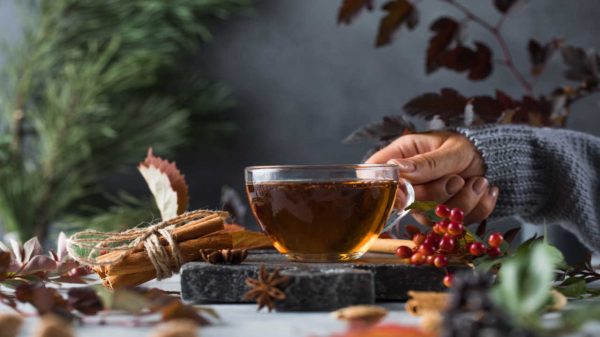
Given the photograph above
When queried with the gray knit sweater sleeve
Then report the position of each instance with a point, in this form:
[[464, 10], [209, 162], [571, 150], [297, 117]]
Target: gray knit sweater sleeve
[[544, 175]]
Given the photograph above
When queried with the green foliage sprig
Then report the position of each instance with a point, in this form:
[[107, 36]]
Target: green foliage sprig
[[90, 87]]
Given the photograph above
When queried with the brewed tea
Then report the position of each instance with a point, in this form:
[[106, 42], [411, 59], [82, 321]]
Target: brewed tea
[[310, 218]]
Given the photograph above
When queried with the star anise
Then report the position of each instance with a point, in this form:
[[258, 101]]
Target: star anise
[[220, 256], [267, 289]]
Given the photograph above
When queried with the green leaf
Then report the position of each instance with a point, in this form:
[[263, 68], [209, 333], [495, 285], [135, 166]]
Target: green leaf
[[579, 314], [525, 281], [425, 207], [574, 287]]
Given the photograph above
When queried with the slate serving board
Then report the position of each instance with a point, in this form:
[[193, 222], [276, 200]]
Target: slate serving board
[[381, 277]]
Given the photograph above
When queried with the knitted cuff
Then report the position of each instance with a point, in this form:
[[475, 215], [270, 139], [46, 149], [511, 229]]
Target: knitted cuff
[[512, 164]]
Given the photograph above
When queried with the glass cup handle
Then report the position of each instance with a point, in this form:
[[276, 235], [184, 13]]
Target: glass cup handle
[[396, 216]]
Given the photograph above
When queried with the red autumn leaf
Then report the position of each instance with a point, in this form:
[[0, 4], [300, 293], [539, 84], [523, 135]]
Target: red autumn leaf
[[398, 12], [481, 67], [176, 179], [85, 300], [448, 105], [487, 109], [43, 299], [5, 258], [459, 58], [351, 8], [445, 30]]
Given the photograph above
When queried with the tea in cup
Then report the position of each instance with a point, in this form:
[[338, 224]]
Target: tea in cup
[[326, 213]]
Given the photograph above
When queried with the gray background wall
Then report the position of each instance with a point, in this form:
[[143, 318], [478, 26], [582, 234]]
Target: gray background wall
[[303, 82]]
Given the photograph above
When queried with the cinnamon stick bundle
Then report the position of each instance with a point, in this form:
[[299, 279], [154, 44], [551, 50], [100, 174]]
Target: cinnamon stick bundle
[[135, 267]]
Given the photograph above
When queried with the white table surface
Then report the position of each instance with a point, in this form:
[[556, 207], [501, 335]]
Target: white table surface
[[242, 320]]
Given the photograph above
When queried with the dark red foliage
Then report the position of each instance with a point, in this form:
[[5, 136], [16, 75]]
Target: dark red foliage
[[4, 264], [398, 12], [511, 234], [351, 8], [85, 300], [481, 65], [445, 30], [504, 5], [448, 105]]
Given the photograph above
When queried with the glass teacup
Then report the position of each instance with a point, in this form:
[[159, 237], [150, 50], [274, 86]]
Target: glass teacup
[[326, 213]]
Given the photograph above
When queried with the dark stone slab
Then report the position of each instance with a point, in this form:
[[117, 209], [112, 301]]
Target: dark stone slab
[[202, 282], [326, 290]]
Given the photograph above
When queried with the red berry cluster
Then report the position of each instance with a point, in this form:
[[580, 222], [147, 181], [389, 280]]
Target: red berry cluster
[[447, 240]]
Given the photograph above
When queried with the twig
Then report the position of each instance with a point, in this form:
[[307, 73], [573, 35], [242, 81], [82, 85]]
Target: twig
[[494, 31]]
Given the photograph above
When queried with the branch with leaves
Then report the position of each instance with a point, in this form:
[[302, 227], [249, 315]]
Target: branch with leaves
[[91, 85], [448, 48]]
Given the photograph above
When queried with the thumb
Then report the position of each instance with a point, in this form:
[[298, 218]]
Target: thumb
[[426, 167]]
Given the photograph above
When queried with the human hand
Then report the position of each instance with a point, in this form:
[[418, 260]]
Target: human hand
[[444, 167]]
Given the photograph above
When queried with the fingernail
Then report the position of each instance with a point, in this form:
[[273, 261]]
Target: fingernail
[[454, 185], [480, 185], [403, 165], [494, 192]]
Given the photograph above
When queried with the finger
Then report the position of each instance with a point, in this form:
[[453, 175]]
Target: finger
[[468, 197], [485, 207], [405, 147], [422, 219], [439, 190]]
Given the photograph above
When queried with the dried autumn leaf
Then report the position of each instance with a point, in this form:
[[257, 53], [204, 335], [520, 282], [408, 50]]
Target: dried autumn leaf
[[511, 234], [481, 67], [175, 179], [85, 300], [449, 105], [351, 8], [540, 54], [160, 186], [389, 128], [446, 30], [176, 310], [582, 65], [398, 12]]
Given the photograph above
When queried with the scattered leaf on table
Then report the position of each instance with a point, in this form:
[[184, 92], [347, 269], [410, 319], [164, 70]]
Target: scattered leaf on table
[[85, 300], [385, 330]]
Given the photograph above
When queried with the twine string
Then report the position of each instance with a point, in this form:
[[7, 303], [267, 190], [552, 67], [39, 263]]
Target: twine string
[[165, 259]]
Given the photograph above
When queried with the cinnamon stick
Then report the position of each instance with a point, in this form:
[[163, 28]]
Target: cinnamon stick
[[389, 245]]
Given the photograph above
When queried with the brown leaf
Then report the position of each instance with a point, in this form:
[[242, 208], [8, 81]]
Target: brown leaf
[[540, 54], [176, 179], [445, 29], [398, 12], [177, 310], [481, 228], [44, 300], [504, 5], [582, 65], [459, 58], [5, 258], [85, 300], [481, 67], [511, 234], [351, 8], [448, 105]]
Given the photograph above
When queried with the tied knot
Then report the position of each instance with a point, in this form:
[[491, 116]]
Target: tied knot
[[98, 249]]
